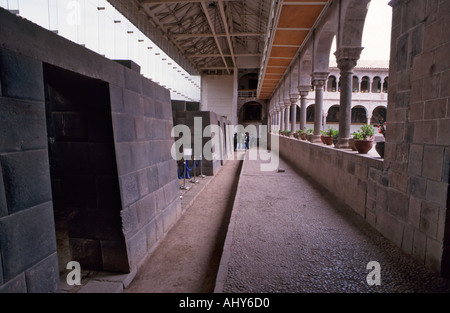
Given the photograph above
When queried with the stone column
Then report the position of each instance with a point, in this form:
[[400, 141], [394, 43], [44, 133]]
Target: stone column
[[282, 117], [319, 80], [346, 59], [304, 92], [287, 111], [294, 99]]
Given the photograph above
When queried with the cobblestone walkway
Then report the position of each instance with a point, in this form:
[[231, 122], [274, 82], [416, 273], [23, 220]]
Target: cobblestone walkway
[[287, 234]]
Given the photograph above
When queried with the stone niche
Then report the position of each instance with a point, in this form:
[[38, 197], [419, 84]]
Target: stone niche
[[223, 147], [86, 172]]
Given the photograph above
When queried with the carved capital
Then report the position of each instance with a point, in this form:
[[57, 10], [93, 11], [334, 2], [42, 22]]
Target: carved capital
[[304, 90], [319, 78], [294, 98], [347, 58]]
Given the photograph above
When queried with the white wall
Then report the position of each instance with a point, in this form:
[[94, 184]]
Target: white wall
[[219, 95]]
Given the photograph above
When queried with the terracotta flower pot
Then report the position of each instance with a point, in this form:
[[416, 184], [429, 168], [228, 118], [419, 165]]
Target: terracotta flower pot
[[322, 139], [328, 140], [363, 146], [304, 136]]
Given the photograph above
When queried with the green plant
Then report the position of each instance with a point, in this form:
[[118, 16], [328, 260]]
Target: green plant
[[309, 131], [364, 133], [329, 132], [335, 134]]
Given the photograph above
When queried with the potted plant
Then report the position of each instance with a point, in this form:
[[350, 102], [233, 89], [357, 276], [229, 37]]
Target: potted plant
[[335, 136], [379, 146], [364, 139], [303, 134], [309, 134], [328, 136]]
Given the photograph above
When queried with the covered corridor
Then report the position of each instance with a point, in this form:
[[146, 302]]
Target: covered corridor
[[89, 155]]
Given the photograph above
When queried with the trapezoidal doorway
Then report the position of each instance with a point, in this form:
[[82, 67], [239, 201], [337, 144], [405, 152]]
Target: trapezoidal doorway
[[85, 187]]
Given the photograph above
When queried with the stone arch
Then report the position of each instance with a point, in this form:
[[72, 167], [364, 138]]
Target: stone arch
[[385, 84], [333, 114], [323, 40], [359, 115], [305, 67], [248, 81], [378, 114], [365, 84], [376, 84], [353, 17], [332, 84], [310, 113], [355, 84]]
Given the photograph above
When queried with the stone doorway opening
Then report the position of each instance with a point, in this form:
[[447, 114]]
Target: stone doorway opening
[[84, 180]]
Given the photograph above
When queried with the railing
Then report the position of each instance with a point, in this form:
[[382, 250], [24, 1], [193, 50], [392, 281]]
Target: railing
[[250, 93]]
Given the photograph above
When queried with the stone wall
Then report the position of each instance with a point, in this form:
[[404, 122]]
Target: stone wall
[[210, 167], [28, 259], [405, 196], [417, 149], [109, 137]]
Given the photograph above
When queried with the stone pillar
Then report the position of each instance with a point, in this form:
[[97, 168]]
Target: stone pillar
[[294, 99], [282, 117], [304, 92], [287, 111], [319, 80], [346, 59]]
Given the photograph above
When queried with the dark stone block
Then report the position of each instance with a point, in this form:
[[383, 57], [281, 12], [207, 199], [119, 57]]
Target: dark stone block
[[152, 178], [16, 285], [178, 105], [164, 174], [149, 107], [148, 87], [129, 187], [21, 77], [114, 255], [27, 179], [124, 159], [133, 81], [192, 106], [26, 238], [129, 64], [22, 125], [3, 203], [402, 52], [123, 125], [116, 99], [44, 277], [159, 109], [154, 153], [146, 209], [133, 102], [87, 252], [140, 155], [129, 221]]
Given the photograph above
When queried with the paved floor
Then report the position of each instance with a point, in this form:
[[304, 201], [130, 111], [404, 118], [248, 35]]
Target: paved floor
[[287, 234]]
